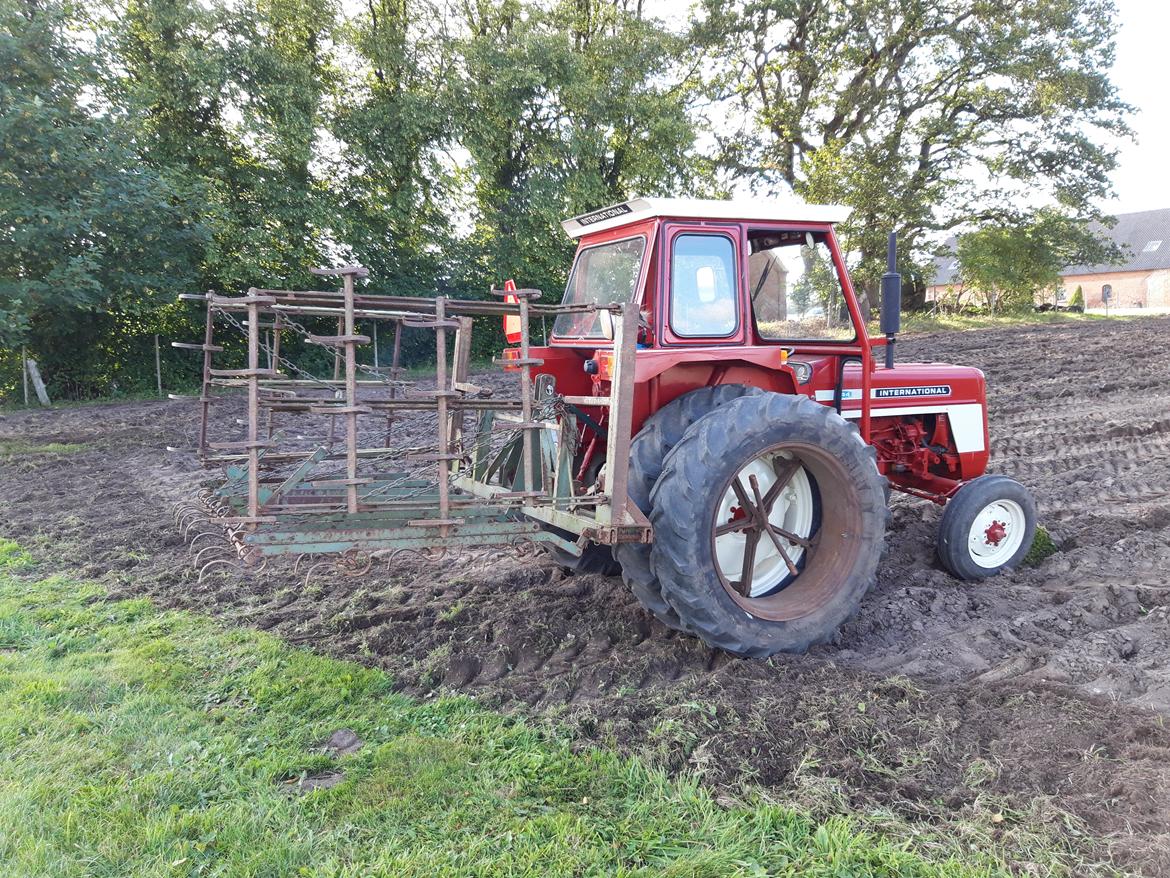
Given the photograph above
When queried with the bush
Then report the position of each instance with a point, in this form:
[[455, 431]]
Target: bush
[[1077, 303]]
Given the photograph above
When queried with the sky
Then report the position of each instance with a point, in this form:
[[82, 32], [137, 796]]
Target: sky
[[1141, 180]]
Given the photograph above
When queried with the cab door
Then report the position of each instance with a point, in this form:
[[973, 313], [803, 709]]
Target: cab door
[[701, 289]]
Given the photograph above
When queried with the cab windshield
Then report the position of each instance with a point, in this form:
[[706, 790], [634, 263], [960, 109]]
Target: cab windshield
[[601, 275]]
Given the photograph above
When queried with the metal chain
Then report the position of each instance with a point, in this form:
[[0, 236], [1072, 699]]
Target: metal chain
[[275, 357], [368, 370]]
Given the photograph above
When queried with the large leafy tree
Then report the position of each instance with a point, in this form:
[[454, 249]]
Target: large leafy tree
[[924, 115], [231, 99], [567, 107], [90, 237], [396, 190], [1014, 266]]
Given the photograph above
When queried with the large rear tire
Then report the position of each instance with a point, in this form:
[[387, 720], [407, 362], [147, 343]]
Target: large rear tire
[[754, 588], [661, 432]]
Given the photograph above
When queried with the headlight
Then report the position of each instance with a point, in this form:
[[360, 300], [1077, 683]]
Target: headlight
[[803, 371]]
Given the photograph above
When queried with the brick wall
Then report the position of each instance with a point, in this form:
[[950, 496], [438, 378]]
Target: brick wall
[[1131, 289]]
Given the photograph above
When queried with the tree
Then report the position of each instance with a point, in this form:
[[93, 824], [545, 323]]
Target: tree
[[568, 106], [230, 100], [1077, 303], [396, 187], [1010, 266], [86, 229], [924, 115]]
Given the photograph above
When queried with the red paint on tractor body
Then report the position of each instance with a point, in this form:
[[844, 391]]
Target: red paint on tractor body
[[928, 443]]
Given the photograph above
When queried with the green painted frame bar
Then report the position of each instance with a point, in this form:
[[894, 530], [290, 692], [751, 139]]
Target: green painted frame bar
[[471, 536]]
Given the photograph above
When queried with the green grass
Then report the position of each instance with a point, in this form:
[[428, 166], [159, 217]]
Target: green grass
[[915, 322], [1043, 546], [22, 448], [12, 556], [138, 742]]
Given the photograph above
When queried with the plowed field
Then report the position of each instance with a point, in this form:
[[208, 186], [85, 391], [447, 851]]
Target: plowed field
[[1031, 703]]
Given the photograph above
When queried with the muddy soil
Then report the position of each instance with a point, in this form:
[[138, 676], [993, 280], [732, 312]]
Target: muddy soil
[[995, 709]]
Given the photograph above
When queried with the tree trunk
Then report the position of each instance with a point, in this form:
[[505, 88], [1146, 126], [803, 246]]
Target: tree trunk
[[914, 293], [867, 294]]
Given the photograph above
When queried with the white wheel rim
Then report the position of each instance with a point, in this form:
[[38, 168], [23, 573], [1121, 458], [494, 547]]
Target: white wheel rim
[[792, 511], [996, 533]]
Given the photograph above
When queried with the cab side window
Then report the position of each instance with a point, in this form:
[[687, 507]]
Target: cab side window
[[795, 291], [703, 291]]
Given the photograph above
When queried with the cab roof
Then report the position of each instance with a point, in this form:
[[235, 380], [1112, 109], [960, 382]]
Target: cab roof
[[771, 210]]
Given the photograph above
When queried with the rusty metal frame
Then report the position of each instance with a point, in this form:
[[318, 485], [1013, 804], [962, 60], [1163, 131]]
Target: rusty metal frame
[[271, 504]]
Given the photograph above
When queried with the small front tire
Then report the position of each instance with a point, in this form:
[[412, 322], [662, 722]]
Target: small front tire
[[987, 527]]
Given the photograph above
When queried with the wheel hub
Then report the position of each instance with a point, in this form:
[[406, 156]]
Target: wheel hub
[[763, 527], [995, 533]]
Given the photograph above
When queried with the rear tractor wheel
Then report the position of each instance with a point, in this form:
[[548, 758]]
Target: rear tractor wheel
[[769, 520], [661, 432], [986, 527]]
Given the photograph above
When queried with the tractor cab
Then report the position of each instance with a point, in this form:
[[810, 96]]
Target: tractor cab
[[713, 273], [756, 293]]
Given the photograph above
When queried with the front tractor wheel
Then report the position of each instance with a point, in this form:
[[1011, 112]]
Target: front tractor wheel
[[988, 526], [769, 520]]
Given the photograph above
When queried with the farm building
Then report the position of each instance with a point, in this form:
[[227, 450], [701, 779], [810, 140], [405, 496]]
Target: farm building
[[1141, 280]]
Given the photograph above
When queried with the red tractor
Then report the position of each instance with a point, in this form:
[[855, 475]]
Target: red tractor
[[708, 415], [766, 433]]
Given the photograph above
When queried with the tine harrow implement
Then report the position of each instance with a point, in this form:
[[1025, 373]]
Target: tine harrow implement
[[313, 471]]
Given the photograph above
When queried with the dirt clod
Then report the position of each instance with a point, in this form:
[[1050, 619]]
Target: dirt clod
[[343, 742], [322, 780]]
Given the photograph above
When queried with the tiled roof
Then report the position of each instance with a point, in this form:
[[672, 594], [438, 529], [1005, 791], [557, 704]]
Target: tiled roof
[[1144, 238]]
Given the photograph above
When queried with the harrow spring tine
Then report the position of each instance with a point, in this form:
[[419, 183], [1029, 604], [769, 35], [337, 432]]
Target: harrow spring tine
[[213, 548], [207, 528], [180, 512], [252, 558], [354, 562], [210, 564], [192, 523], [188, 515], [309, 556], [309, 572], [206, 533]]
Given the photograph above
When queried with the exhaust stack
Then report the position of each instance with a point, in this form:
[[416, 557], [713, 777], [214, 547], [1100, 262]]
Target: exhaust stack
[[891, 319]]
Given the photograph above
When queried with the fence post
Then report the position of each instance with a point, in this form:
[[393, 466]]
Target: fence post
[[38, 384], [24, 372], [157, 365]]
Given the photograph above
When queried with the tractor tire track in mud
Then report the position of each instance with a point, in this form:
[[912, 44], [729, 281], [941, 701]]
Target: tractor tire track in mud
[[1044, 690]]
